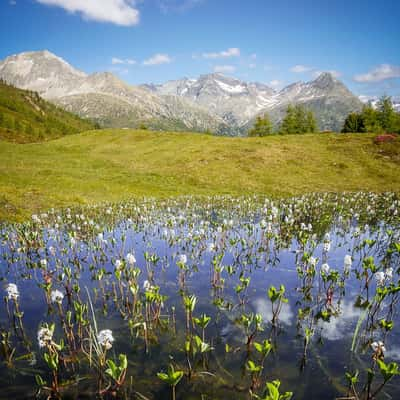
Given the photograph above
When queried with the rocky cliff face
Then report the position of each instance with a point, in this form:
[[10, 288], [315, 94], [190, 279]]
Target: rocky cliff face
[[212, 102]]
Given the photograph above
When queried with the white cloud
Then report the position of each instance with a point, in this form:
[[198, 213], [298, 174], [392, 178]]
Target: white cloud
[[158, 59], [119, 12], [117, 61], [231, 52], [299, 69], [380, 73], [224, 69], [13, 3], [253, 56], [263, 307], [342, 325], [366, 99], [334, 73], [252, 66]]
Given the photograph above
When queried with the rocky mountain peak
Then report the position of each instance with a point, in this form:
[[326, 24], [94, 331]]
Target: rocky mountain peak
[[210, 101]]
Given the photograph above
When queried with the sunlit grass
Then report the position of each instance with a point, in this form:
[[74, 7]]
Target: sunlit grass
[[112, 165]]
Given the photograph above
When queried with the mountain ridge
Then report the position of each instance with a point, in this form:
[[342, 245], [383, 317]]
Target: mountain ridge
[[212, 102]]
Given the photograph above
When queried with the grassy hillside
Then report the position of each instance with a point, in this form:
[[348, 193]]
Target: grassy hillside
[[111, 165], [26, 117]]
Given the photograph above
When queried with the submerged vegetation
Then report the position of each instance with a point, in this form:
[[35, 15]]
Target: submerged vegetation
[[245, 298]]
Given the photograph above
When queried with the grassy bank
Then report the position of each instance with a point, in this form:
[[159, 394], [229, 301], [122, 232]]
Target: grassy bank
[[111, 165]]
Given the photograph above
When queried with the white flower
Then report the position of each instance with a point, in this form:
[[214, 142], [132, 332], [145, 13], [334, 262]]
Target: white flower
[[378, 346], [389, 273], [348, 260], [52, 251], [130, 259], [56, 296], [105, 338], [210, 247], [45, 336], [147, 286], [325, 269], [347, 263], [12, 291], [327, 246], [118, 264], [43, 263], [313, 261], [380, 278], [182, 259]]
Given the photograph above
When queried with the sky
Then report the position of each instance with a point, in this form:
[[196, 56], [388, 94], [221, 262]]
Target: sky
[[273, 42]]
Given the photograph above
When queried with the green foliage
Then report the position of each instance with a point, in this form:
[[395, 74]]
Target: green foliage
[[203, 321], [26, 117], [272, 392], [382, 119], [353, 123], [172, 377], [298, 120], [388, 371], [386, 114], [370, 120], [275, 294], [51, 359], [117, 372], [262, 127], [264, 348]]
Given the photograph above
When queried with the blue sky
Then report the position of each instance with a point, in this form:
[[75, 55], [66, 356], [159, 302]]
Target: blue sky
[[275, 42]]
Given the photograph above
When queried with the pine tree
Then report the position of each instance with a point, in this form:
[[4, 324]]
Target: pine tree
[[353, 123], [301, 120], [262, 127], [370, 119], [298, 120], [386, 113], [311, 122], [288, 125]]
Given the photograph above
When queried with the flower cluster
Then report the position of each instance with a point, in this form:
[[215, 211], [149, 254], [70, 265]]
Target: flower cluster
[[45, 336], [12, 291], [56, 296], [130, 259], [105, 338]]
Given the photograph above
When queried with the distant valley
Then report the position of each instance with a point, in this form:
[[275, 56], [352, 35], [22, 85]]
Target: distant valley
[[213, 102]]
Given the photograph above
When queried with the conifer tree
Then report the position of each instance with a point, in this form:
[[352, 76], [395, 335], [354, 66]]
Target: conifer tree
[[262, 126]]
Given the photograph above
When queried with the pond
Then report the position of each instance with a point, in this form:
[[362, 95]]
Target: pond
[[204, 298]]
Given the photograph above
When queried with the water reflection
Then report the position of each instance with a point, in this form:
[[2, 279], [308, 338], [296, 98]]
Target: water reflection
[[153, 272]]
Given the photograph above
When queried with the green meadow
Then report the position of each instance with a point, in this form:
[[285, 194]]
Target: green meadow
[[112, 165]]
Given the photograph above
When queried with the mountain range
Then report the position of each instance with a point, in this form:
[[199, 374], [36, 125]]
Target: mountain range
[[213, 102]]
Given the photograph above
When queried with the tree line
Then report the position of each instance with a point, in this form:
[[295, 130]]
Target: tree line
[[24, 114], [298, 119], [379, 119]]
